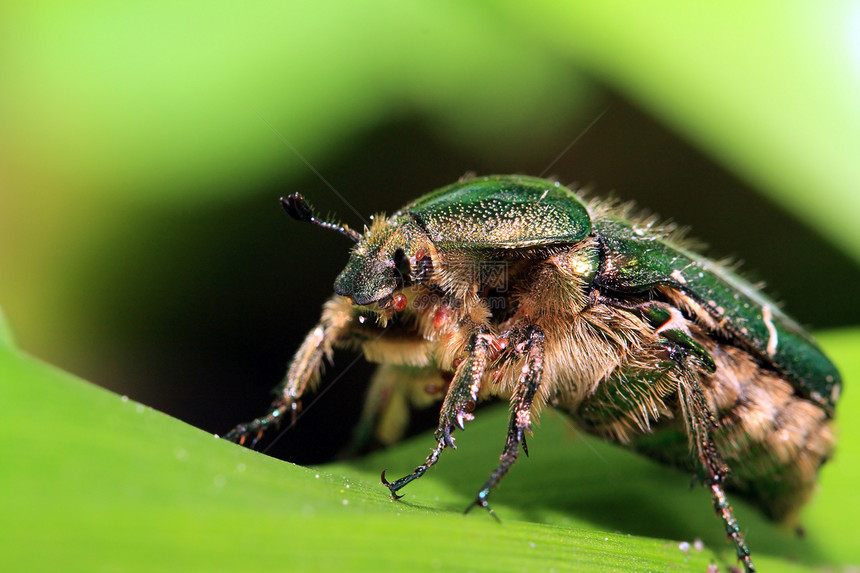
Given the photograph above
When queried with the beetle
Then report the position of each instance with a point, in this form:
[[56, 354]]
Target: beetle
[[516, 287]]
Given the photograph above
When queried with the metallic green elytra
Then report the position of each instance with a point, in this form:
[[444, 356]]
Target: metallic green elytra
[[635, 262], [514, 287], [508, 213]]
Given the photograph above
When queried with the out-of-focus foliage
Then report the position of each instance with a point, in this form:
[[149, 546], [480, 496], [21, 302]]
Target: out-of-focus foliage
[[769, 88], [5, 331], [163, 102]]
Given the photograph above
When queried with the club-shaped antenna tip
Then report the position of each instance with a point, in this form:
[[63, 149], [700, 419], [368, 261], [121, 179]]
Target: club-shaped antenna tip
[[297, 208]]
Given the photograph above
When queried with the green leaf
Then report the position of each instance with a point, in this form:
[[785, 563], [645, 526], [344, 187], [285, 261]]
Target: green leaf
[[93, 481]]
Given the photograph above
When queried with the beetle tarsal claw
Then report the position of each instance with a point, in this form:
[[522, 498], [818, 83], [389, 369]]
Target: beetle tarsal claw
[[237, 434], [391, 486], [258, 427], [446, 437], [481, 501]]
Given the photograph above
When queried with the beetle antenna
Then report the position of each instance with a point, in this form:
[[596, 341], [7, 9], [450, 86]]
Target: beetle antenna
[[300, 210]]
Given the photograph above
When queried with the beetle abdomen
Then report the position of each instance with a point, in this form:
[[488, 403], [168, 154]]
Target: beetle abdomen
[[773, 440]]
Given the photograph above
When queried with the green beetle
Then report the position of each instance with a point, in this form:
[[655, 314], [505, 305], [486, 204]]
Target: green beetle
[[512, 286]]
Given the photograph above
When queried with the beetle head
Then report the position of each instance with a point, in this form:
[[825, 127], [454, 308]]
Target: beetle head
[[383, 261]]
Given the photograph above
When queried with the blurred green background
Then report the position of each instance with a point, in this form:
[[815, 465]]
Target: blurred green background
[[143, 148]]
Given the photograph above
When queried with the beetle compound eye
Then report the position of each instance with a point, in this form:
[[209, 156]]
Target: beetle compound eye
[[398, 302]]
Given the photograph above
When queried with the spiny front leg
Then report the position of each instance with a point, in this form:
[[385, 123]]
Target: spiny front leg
[[461, 396], [520, 421], [701, 421], [304, 367], [304, 370]]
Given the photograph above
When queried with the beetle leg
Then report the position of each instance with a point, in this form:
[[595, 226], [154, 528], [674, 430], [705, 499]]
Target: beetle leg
[[304, 369], [304, 366], [702, 422], [520, 420], [395, 391], [462, 392]]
